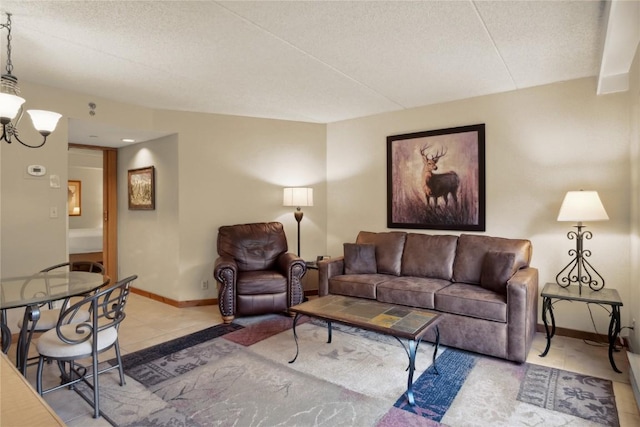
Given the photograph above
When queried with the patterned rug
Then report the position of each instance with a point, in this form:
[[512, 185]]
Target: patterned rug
[[240, 375]]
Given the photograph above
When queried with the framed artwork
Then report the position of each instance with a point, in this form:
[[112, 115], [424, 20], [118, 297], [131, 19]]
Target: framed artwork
[[141, 189], [436, 179], [74, 198]]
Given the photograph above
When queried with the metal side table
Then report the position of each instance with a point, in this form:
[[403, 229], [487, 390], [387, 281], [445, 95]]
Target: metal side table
[[605, 296]]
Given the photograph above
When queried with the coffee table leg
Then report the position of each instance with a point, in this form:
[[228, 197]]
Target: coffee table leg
[[295, 336], [435, 350], [413, 347], [329, 329]]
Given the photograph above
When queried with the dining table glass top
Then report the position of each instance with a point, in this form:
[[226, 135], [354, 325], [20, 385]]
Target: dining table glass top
[[43, 287]]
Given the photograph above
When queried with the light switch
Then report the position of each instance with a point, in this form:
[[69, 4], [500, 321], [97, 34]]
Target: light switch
[[54, 181], [53, 212]]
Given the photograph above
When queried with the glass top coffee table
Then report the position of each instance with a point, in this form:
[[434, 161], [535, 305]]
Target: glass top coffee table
[[400, 322]]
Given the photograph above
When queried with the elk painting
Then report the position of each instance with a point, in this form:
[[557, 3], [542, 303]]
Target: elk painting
[[435, 179]]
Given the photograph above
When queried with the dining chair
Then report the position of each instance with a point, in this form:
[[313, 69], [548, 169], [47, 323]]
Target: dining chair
[[68, 343], [49, 318]]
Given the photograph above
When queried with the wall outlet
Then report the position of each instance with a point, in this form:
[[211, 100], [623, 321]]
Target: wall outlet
[[204, 285]]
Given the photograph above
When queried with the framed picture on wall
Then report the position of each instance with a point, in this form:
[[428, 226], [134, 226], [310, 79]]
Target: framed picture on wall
[[141, 188], [436, 179], [74, 198]]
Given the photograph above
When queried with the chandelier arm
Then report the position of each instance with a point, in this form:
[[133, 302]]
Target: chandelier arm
[[4, 134], [30, 146]]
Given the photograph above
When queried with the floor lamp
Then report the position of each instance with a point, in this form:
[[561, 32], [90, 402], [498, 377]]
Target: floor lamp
[[579, 206], [298, 197]]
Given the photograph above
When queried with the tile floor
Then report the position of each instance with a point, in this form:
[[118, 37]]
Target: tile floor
[[149, 322]]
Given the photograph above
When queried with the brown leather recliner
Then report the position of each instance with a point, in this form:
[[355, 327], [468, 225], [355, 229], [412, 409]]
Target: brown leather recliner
[[255, 273]]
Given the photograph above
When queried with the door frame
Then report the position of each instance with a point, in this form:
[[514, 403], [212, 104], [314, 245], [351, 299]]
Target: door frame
[[109, 207]]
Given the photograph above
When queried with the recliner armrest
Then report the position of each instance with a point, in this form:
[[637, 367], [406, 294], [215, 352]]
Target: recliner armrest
[[222, 264], [294, 268]]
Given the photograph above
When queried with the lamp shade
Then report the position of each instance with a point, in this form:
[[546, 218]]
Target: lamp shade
[[579, 206], [300, 196], [44, 121], [10, 105]]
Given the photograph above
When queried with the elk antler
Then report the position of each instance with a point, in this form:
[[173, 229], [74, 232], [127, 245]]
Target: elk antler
[[434, 157], [439, 154]]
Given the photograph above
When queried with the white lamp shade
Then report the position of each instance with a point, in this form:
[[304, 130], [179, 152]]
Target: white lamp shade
[[297, 197], [44, 121], [579, 206], [10, 105]]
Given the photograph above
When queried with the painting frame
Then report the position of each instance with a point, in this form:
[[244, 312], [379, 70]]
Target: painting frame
[[452, 198], [74, 197], [141, 188]]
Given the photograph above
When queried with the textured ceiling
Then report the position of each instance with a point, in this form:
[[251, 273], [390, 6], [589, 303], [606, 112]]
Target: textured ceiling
[[308, 61]]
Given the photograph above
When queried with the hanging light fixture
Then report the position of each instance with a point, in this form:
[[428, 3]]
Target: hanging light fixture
[[11, 104]]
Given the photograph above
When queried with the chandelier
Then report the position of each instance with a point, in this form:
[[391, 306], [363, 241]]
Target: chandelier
[[11, 104]]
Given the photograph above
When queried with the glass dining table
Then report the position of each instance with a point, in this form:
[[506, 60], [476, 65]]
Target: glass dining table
[[37, 290]]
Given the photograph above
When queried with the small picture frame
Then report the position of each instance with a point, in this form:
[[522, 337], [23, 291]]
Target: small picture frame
[[74, 198], [141, 188]]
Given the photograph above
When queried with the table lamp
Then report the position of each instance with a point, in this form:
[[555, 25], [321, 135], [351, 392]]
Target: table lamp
[[579, 206], [298, 197]]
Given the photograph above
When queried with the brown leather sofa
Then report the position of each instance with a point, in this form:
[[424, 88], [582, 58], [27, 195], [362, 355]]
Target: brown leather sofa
[[483, 286], [254, 271]]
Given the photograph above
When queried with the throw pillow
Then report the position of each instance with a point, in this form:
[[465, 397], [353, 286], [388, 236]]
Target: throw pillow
[[497, 269], [359, 258]]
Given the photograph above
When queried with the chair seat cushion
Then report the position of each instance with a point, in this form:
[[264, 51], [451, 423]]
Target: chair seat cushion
[[260, 282], [49, 319], [50, 345]]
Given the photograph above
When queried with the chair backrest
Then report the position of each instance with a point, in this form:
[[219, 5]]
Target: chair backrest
[[106, 308], [253, 246], [89, 266]]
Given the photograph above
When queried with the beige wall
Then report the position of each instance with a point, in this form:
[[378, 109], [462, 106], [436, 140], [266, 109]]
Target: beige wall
[[149, 240], [232, 170], [540, 143], [633, 304]]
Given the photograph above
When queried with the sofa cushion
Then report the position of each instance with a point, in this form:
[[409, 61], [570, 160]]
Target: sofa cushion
[[429, 256], [357, 285], [473, 301], [471, 250], [412, 291], [389, 246], [497, 269], [359, 258]]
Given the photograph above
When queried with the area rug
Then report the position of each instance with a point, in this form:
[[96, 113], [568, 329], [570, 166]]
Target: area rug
[[242, 377]]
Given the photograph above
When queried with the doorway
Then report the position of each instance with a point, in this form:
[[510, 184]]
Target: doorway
[[93, 233]]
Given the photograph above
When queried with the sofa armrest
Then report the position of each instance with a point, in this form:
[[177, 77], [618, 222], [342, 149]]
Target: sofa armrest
[[522, 312], [294, 268], [327, 269], [225, 271]]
